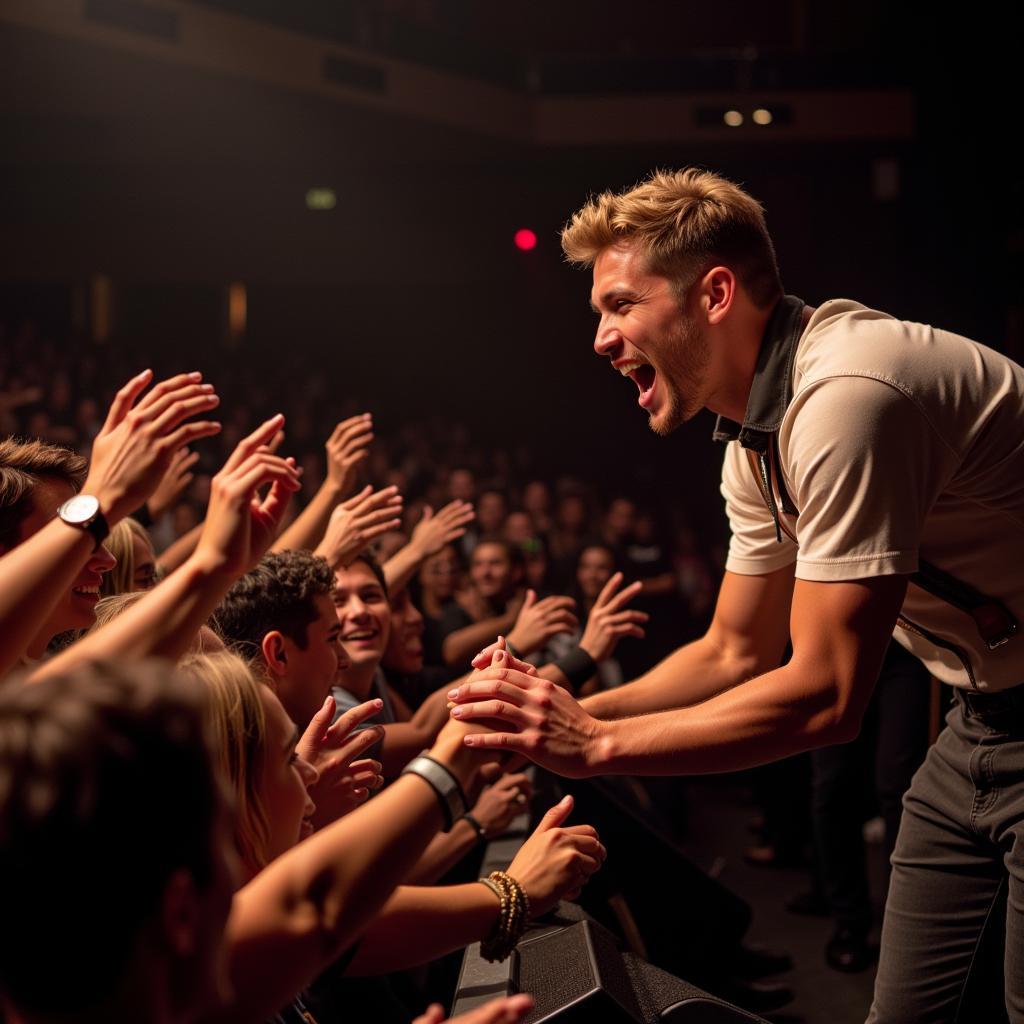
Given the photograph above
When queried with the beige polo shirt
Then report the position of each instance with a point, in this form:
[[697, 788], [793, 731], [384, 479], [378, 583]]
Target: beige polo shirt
[[901, 441]]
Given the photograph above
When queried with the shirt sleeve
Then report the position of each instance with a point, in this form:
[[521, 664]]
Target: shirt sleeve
[[865, 467], [754, 547]]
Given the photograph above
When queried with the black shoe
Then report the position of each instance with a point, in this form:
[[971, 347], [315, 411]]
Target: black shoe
[[755, 996], [753, 962], [810, 904], [849, 950]]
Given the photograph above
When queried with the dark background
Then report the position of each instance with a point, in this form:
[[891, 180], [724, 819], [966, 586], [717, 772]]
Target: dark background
[[409, 296]]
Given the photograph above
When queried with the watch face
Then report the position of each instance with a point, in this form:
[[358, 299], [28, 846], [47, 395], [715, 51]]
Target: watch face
[[80, 509]]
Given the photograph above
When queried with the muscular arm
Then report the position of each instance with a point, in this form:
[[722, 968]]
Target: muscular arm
[[747, 636], [840, 632]]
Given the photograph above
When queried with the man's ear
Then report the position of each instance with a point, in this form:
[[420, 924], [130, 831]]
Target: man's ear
[[717, 292], [181, 916], [273, 647]]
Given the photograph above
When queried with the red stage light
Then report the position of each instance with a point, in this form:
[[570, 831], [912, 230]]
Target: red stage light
[[525, 239]]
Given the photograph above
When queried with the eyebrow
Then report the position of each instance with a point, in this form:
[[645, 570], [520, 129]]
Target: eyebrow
[[608, 296]]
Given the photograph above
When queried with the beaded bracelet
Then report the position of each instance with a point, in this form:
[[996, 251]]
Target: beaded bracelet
[[513, 913]]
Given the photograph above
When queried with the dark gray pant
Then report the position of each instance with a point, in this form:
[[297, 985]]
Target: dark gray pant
[[959, 856]]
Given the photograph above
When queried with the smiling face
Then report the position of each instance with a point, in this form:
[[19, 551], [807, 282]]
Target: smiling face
[[404, 652], [76, 608], [284, 779], [649, 338], [363, 614]]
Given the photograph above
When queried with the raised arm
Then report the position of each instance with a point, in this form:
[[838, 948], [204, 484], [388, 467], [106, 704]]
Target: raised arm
[[238, 529], [346, 448], [130, 455], [420, 924], [430, 535]]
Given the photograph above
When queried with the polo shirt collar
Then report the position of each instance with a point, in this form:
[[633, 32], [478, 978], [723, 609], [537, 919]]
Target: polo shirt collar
[[772, 386]]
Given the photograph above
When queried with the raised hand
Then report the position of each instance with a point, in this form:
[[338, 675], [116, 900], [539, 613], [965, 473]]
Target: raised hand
[[556, 862], [141, 436], [435, 530], [610, 620], [539, 621], [175, 480], [240, 525], [345, 778], [347, 447], [542, 720], [357, 522]]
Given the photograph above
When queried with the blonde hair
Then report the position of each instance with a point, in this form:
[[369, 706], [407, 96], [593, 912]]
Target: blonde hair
[[683, 221], [121, 544], [240, 729]]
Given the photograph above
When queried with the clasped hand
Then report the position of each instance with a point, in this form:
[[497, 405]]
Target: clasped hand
[[547, 725]]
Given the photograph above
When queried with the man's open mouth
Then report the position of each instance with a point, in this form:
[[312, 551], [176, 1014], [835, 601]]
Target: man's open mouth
[[643, 376]]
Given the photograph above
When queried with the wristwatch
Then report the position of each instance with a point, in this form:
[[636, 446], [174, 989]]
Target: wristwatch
[[83, 512]]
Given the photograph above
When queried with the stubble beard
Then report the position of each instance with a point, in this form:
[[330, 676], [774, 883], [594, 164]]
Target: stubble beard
[[683, 369]]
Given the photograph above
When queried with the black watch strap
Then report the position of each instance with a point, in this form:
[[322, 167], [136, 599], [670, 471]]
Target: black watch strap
[[98, 529]]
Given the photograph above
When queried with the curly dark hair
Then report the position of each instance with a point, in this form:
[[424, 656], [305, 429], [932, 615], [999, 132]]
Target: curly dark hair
[[277, 595]]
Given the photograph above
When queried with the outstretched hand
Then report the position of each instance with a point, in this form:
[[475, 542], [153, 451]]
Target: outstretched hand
[[542, 720], [347, 447], [556, 861], [436, 530], [355, 523], [345, 777], [609, 620], [539, 620], [141, 436], [240, 525]]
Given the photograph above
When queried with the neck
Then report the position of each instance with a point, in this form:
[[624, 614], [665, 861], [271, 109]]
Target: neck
[[738, 345], [358, 679]]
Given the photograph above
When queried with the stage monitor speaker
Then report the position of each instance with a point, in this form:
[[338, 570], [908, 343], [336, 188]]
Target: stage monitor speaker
[[572, 967]]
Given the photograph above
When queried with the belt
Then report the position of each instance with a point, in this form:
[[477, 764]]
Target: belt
[[1001, 704]]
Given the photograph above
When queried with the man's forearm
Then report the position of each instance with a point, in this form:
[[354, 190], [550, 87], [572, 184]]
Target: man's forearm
[[774, 715], [688, 676]]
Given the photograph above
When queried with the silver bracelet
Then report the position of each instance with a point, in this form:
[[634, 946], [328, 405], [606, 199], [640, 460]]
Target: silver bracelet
[[444, 784]]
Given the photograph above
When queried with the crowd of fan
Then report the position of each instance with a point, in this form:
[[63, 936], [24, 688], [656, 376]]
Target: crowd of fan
[[199, 709]]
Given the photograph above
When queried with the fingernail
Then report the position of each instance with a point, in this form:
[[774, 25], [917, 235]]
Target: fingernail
[[207, 387], [327, 700], [378, 703], [457, 712], [452, 694], [499, 655], [195, 376]]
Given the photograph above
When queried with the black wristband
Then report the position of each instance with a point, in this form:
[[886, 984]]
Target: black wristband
[[475, 825], [577, 666]]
